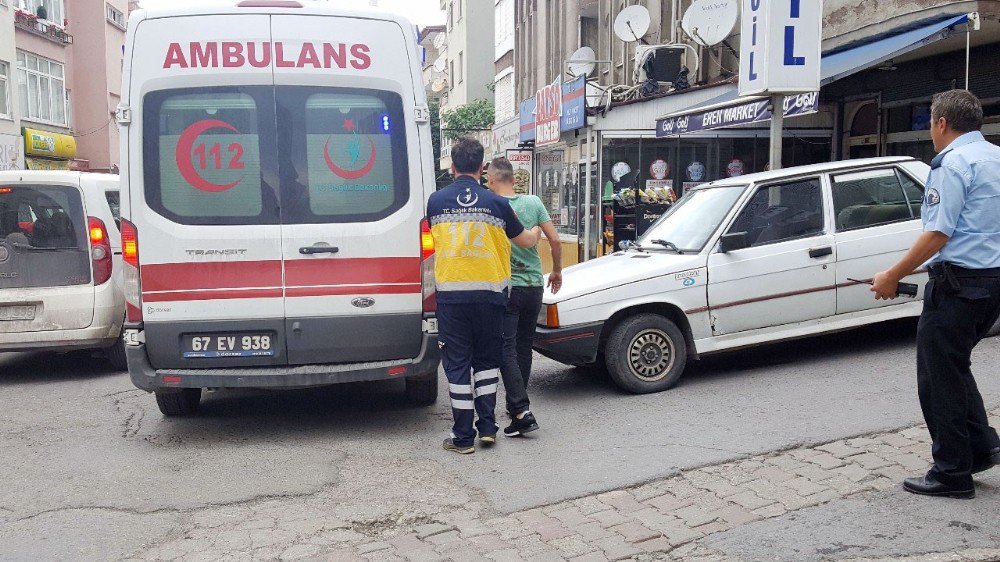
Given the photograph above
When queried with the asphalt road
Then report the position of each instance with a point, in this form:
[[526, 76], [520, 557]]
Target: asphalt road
[[93, 468]]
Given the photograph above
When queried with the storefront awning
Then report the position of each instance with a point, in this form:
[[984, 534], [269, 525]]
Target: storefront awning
[[730, 109]]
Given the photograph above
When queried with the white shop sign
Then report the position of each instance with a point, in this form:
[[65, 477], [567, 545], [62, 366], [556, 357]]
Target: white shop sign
[[780, 46]]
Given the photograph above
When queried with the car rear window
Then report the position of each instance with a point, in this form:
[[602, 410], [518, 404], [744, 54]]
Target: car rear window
[[43, 237], [264, 155], [202, 155]]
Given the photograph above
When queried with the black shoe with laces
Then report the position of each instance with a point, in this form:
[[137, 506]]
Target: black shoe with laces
[[520, 426]]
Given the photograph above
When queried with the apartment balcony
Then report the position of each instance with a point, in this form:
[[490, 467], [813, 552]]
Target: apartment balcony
[[31, 24]]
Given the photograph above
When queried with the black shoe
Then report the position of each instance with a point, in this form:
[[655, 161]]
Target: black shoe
[[987, 462], [449, 445], [520, 426], [929, 486], [488, 440]]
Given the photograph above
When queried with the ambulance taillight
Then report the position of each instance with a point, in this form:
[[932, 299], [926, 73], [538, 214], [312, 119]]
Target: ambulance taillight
[[427, 284], [133, 285]]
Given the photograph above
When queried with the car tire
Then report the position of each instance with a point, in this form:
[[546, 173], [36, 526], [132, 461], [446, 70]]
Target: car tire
[[116, 356], [183, 403], [646, 353], [422, 390]]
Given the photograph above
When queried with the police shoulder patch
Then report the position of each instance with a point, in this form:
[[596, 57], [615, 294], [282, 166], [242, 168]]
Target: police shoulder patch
[[933, 197]]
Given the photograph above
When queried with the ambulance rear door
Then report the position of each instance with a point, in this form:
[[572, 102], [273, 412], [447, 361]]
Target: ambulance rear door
[[202, 190], [351, 188]]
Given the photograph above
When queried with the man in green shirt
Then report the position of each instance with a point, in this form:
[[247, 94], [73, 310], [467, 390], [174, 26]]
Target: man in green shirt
[[527, 288]]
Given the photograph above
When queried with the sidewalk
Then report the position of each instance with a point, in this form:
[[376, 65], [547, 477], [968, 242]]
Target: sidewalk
[[837, 501]]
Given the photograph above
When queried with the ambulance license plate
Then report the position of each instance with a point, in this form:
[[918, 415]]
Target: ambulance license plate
[[214, 346]]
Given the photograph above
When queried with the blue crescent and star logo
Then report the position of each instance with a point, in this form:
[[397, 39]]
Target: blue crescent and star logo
[[468, 198]]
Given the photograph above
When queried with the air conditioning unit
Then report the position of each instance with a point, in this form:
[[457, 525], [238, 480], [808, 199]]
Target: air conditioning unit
[[660, 63]]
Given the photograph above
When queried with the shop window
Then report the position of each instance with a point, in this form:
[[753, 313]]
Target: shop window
[[781, 212], [871, 198]]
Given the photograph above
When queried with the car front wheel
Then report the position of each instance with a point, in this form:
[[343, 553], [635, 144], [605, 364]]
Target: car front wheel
[[646, 353]]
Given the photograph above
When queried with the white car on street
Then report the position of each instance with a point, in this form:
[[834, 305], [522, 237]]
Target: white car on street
[[60, 263], [740, 262]]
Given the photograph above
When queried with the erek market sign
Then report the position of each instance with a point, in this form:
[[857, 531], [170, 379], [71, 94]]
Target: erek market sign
[[237, 54]]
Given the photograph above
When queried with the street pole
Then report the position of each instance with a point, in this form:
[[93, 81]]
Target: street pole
[[777, 124]]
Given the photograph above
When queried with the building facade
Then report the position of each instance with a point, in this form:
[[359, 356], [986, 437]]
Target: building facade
[[60, 71], [468, 53], [96, 77]]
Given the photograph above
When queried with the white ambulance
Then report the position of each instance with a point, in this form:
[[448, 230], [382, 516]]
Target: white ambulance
[[276, 169]]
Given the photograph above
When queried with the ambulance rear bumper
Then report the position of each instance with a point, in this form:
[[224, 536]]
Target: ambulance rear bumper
[[145, 377]]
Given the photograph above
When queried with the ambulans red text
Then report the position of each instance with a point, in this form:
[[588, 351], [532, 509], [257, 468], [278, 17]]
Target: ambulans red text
[[236, 54]]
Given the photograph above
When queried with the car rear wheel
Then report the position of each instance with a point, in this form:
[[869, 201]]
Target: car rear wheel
[[116, 356], [182, 403], [646, 353], [422, 390]]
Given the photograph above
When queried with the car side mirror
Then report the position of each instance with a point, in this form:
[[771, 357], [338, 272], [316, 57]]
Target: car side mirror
[[734, 241]]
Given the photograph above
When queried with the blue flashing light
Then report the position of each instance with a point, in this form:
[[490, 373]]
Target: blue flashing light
[[386, 128]]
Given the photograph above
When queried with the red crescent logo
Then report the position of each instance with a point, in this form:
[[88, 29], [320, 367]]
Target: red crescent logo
[[349, 174], [183, 155]]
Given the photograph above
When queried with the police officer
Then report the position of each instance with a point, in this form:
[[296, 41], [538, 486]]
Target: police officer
[[961, 238]]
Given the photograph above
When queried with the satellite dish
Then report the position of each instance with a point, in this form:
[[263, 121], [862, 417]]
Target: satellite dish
[[439, 40], [437, 85], [582, 62], [710, 22], [632, 23], [440, 64]]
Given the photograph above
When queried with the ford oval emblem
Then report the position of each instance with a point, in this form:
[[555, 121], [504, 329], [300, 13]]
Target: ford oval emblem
[[363, 302]]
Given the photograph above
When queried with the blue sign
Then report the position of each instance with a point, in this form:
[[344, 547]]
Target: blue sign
[[574, 110], [739, 114]]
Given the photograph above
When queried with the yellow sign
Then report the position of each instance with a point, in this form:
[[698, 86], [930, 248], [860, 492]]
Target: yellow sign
[[49, 145], [46, 164]]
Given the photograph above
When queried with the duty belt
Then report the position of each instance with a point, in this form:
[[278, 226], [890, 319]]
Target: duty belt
[[950, 273]]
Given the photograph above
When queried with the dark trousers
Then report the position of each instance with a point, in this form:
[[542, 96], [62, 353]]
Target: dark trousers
[[471, 341], [951, 325], [518, 330]]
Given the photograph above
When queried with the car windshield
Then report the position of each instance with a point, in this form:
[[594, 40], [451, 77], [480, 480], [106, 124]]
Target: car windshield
[[692, 220]]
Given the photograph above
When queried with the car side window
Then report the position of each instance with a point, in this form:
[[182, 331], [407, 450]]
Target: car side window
[[780, 212], [115, 203], [914, 193], [871, 198]]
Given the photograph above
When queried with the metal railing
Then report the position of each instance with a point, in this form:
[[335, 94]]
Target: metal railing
[[50, 31]]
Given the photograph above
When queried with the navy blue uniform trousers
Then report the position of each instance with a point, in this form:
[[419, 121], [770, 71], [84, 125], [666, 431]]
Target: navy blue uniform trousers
[[471, 341], [951, 325]]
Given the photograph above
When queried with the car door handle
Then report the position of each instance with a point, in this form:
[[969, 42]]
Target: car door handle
[[309, 250], [820, 252]]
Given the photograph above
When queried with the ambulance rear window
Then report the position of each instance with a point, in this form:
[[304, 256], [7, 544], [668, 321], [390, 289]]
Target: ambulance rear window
[[348, 148], [202, 156]]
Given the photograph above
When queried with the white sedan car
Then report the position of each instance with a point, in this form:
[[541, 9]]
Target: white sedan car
[[740, 262]]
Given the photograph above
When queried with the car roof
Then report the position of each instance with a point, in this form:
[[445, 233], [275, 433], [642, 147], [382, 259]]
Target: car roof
[[231, 7], [810, 169], [54, 176]]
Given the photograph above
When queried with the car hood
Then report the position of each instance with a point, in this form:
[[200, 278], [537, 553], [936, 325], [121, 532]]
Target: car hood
[[621, 268]]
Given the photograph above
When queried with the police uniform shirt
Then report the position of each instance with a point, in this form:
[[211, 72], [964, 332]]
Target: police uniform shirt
[[472, 228], [962, 201]]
